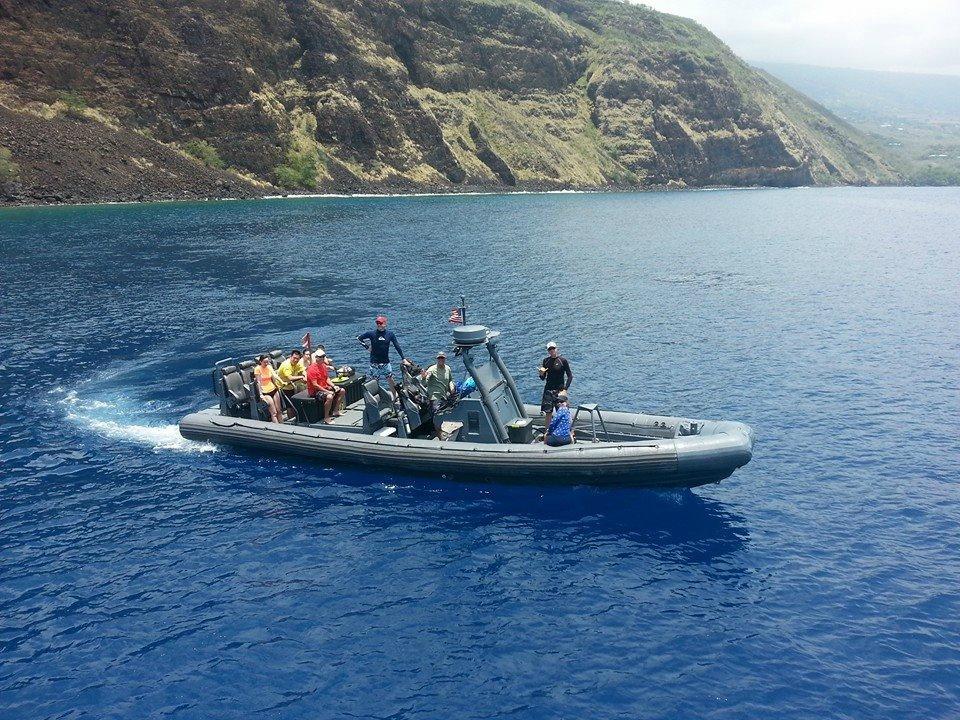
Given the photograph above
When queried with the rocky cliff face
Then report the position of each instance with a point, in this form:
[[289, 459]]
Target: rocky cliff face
[[169, 98]]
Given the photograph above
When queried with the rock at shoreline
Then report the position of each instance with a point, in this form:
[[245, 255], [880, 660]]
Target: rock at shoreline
[[60, 161]]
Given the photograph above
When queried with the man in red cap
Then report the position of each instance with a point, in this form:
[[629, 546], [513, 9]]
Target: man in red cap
[[378, 343]]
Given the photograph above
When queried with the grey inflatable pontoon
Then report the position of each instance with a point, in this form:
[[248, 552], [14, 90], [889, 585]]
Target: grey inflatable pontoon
[[488, 432]]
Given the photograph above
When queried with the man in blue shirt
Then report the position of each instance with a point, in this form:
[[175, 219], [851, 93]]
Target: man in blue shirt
[[378, 343]]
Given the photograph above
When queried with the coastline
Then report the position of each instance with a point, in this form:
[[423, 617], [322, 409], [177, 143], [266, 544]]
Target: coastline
[[435, 194], [162, 200]]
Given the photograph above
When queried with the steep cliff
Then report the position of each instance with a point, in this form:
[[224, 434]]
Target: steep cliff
[[122, 99]]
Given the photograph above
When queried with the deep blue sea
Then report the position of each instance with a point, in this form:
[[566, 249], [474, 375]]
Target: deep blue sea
[[144, 576]]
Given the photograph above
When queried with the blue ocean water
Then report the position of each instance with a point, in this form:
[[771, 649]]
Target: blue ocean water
[[143, 576]]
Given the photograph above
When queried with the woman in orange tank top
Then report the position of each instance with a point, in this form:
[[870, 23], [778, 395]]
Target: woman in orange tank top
[[264, 374]]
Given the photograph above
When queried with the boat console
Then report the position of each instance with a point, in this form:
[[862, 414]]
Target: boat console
[[485, 418]]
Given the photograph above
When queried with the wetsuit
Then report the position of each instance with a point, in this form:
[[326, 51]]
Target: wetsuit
[[379, 342], [558, 377]]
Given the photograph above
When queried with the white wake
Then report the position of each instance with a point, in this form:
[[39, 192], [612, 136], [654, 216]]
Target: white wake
[[107, 420]]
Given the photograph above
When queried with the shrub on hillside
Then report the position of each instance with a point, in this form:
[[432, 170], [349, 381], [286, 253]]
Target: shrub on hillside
[[205, 153], [936, 176], [9, 170], [76, 106], [299, 172]]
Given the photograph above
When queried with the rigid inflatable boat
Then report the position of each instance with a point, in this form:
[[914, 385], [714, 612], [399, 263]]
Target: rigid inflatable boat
[[486, 431]]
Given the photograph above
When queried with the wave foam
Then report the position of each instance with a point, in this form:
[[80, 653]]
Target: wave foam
[[158, 437]]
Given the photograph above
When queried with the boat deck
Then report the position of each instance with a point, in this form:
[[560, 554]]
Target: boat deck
[[351, 419]]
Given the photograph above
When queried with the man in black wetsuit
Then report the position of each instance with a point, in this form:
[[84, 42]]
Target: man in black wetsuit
[[378, 343], [556, 371]]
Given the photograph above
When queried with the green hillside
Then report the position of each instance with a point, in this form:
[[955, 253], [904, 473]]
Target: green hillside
[[914, 117]]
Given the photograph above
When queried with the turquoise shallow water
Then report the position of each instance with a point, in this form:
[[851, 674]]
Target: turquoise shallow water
[[143, 576]]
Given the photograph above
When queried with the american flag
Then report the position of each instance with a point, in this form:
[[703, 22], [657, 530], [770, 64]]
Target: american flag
[[305, 341], [456, 316]]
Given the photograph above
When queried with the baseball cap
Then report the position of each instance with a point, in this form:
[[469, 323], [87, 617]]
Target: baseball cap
[[319, 352], [551, 344], [441, 354]]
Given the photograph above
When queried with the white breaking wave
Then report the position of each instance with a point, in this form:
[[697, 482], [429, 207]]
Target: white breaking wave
[[469, 193], [89, 414]]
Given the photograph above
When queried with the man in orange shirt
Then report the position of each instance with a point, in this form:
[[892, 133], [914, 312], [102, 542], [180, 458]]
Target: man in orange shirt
[[320, 387]]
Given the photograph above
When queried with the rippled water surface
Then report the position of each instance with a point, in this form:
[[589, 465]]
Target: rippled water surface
[[143, 576]]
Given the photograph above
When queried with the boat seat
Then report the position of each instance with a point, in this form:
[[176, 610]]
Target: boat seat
[[276, 357], [386, 432], [234, 391], [377, 409], [246, 370]]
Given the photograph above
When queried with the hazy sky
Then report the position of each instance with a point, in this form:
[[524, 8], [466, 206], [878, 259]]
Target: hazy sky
[[909, 35]]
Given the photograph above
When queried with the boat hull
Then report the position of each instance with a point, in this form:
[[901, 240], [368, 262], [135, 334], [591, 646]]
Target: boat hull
[[710, 456]]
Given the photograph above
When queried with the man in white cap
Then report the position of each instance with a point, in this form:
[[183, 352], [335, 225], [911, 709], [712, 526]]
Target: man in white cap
[[320, 387], [438, 381], [556, 371]]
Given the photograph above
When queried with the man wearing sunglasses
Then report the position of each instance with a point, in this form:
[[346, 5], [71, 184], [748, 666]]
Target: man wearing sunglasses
[[378, 342]]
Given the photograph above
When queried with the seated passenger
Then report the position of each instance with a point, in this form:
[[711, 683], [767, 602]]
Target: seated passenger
[[559, 431], [320, 387], [292, 376], [321, 356], [269, 393], [341, 395], [438, 382]]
